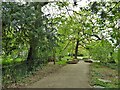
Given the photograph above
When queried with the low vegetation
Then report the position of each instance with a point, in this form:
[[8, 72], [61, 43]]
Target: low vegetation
[[36, 75], [104, 75]]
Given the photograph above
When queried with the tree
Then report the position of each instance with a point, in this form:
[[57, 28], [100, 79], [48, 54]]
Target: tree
[[23, 23]]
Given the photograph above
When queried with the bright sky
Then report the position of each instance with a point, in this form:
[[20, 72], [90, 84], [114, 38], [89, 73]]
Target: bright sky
[[54, 11]]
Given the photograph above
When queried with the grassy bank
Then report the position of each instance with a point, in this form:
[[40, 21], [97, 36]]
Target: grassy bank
[[104, 75]]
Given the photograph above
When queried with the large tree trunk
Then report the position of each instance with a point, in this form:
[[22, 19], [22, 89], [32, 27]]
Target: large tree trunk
[[31, 53], [76, 48], [30, 58]]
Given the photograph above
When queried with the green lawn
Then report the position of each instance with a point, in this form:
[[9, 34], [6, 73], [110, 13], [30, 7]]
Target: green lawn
[[8, 60], [62, 62]]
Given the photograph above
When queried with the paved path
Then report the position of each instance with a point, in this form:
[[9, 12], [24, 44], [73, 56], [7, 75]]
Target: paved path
[[69, 76]]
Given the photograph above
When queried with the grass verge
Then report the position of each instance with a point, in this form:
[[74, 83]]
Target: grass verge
[[107, 72], [62, 62]]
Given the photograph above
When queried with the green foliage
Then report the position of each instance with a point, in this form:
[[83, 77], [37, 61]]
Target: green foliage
[[101, 50], [62, 62], [114, 56], [23, 25], [0, 60], [23, 29], [83, 51]]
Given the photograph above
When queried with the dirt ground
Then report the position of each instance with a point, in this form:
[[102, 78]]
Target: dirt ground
[[69, 76]]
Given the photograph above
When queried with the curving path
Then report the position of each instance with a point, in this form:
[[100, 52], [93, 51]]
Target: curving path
[[69, 76]]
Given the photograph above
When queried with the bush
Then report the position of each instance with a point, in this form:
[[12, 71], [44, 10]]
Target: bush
[[101, 50], [62, 62]]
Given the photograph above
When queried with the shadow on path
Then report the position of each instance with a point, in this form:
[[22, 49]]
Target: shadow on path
[[69, 76]]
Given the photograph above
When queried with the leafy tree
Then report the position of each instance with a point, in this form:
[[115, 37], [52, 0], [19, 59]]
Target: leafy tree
[[101, 50]]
